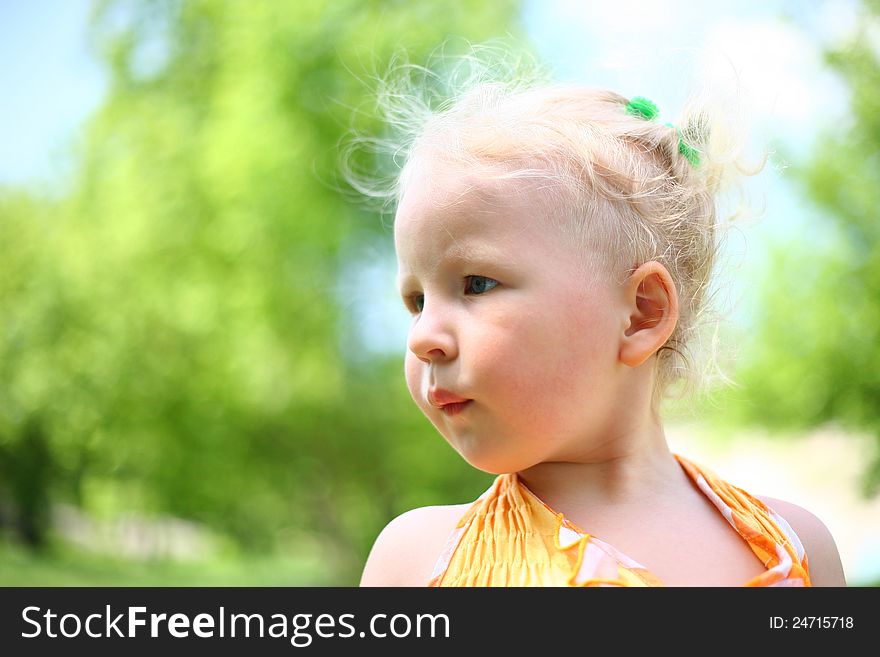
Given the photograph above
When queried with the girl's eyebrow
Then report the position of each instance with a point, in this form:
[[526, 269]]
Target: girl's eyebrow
[[471, 250], [463, 251]]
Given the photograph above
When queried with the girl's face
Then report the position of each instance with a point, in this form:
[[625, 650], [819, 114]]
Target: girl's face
[[503, 316]]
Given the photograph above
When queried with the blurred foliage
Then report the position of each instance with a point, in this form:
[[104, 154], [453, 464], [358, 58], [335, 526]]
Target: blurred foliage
[[818, 342], [172, 341]]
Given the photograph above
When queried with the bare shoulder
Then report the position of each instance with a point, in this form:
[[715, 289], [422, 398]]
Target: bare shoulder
[[822, 554], [405, 551]]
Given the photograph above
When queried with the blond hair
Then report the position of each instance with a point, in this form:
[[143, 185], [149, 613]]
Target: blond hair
[[628, 192]]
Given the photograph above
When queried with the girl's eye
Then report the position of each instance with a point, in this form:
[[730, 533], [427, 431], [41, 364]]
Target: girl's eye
[[478, 284], [416, 302], [472, 285]]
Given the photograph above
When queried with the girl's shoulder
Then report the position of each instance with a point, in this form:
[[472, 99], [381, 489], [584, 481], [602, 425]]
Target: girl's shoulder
[[823, 557], [407, 548]]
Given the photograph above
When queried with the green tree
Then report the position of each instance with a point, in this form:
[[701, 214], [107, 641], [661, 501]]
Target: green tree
[[818, 353], [172, 330]]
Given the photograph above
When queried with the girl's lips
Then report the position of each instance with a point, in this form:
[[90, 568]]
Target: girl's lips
[[439, 397], [456, 408]]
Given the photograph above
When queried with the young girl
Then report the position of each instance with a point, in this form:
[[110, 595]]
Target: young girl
[[554, 247]]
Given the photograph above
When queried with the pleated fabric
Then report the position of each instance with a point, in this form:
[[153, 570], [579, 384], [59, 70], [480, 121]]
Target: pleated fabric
[[509, 537]]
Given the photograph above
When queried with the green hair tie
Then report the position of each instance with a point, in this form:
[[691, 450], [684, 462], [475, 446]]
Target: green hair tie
[[642, 107], [645, 109], [691, 153]]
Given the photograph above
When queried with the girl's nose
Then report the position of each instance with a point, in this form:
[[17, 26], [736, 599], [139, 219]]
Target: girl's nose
[[430, 337]]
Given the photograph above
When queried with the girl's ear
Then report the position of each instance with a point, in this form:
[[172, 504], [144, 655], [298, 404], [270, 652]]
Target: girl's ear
[[652, 303]]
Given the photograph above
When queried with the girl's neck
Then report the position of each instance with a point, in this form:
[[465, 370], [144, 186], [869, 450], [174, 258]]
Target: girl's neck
[[625, 473]]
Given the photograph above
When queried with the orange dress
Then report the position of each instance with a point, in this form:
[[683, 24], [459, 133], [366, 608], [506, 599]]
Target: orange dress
[[509, 537]]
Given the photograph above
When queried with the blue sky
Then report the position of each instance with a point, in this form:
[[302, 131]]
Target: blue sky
[[50, 82], [661, 49]]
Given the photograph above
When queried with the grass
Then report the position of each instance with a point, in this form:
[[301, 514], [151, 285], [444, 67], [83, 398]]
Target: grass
[[67, 566]]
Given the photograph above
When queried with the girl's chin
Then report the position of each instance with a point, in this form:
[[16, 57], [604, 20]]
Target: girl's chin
[[494, 464]]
